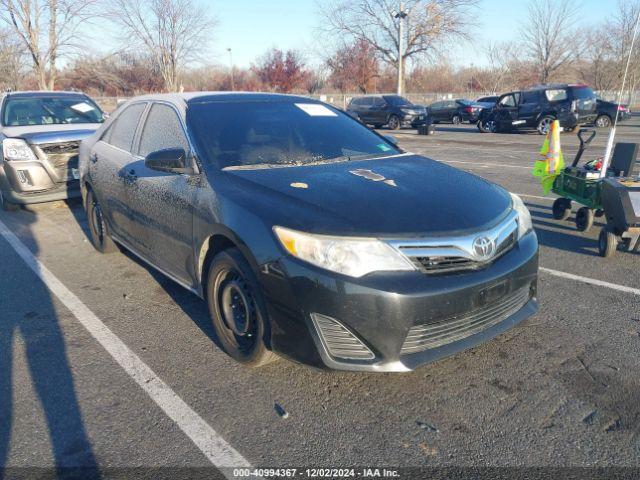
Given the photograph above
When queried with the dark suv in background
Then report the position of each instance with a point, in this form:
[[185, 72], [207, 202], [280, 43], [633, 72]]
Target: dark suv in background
[[572, 104], [393, 111], [40, 133], [454, 111]]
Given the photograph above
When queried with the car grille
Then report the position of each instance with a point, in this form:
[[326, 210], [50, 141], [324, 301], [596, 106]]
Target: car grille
[[63, 158], [432, 335], [338, 341], [452, 263]]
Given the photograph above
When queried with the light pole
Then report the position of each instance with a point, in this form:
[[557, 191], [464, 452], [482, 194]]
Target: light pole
[[401, 14], [233, 87]]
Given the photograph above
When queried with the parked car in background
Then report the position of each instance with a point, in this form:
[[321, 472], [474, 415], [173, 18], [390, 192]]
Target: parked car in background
[[572, 104], [393, 111], [40, 134], [489, 101], [307, 233], [454, 111], [607, 113]]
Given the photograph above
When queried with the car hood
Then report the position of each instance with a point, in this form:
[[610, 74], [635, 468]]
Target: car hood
[[36, 134], [405, 195]]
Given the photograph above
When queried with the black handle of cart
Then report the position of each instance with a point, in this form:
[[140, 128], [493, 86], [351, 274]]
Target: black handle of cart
[[584, 143]]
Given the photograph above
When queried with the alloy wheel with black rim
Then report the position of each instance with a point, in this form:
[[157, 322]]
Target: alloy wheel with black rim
[[98, 230], [7, 206]]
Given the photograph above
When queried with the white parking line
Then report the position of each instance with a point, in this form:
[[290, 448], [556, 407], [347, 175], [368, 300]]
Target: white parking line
[[214, 447], [591, 281]]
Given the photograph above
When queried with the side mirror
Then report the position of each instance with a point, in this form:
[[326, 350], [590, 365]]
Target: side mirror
[[391, 139], [171, 160], [105, 115]]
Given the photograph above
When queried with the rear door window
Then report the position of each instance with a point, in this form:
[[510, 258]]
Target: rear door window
[[556, 95], [162, 130], [123, 129]]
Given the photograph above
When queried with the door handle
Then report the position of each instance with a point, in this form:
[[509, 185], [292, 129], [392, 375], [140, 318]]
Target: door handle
[[130, 176], [93, 157]]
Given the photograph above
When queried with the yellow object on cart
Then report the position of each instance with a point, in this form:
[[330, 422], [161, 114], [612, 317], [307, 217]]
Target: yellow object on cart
[[553, 161]]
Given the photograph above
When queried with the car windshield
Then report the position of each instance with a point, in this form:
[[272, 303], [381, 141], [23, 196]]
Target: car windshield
[[22, 111], [398, 101], [256, 134]]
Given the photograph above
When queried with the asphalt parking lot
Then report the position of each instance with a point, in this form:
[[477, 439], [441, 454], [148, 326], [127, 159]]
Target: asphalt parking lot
[[561, 389]]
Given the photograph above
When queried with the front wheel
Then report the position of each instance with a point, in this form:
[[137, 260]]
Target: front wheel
[[237, 310], [394, 122], [488, 126], [603, 121], [561, 208], [584, 219], [98, 230], [8, 206], [607, 243], [544, 124]]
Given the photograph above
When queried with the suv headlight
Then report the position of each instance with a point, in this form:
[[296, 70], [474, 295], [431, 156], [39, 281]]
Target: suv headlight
[[408, 111], [524, 217], [350, 256], [17, 149]]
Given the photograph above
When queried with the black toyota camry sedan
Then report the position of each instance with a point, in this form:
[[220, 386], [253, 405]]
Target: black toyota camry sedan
[[309, 235]]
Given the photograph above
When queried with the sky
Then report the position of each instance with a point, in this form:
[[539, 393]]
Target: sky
[[250, 27]]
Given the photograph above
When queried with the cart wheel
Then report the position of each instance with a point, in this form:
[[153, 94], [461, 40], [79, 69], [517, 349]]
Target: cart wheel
[[561, 208], [599, 213], [584, 219], [607, 243]]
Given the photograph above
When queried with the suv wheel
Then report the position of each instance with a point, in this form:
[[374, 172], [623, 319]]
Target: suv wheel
[[457, 119], [98, 230], [603, 121], [544, 124], [394, 122], [8, 206], [237, 310], [488, 126]]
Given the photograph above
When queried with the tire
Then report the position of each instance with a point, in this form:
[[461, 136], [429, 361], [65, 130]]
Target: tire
[[489, 126], [544, 124], [603, 121], [237, 310], [8, 206], [607, 243], [98, 229], [561, 208], [393, 123], [584, 219], [456, 120]]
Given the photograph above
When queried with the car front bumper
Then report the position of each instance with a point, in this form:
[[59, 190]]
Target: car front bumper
[[29, 182], [380, 310]]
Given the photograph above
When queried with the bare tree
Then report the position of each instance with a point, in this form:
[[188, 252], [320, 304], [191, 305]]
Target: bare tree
[[11, 60], [48, 30], [429, 24], [620, 34], [548, 36], [174, 32], [501, 59]]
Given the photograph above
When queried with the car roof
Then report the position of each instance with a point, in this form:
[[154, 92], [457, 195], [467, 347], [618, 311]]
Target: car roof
[[191, 98], [43, 94]]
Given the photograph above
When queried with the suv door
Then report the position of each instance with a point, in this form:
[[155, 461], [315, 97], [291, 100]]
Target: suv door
[[108, 160], [163, 201], [584, 103], [378, 111], [435, 111], [364, 109], [506, 112], [530, 107]]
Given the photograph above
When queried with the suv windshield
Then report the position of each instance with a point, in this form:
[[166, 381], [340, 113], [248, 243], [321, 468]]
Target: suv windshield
[[279, 133], [22, 111]]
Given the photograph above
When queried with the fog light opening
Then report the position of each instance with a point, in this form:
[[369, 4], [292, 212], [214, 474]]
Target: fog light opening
[[338, 341]]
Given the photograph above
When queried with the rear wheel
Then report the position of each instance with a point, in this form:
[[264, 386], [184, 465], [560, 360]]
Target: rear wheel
[[584, 219], [607, 242], [394, 122], [98, 230], [603, 121], [237, 310], [457, 119], [544, 124], [561, 208]]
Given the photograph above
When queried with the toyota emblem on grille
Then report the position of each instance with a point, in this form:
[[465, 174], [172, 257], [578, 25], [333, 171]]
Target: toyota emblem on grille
[[483, 247]]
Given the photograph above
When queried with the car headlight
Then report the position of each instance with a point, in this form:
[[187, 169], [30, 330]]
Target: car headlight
[[524, 217], [17, 149], [350, 256], [408, 111]]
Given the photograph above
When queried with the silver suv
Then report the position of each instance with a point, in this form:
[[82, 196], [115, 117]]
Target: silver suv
[[40, 133]]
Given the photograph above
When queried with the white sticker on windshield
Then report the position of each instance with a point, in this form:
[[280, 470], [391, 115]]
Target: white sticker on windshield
[[82, 107], [315, 110]]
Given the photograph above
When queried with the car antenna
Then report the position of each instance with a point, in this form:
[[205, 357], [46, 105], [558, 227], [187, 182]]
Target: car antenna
[[612, 133]]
